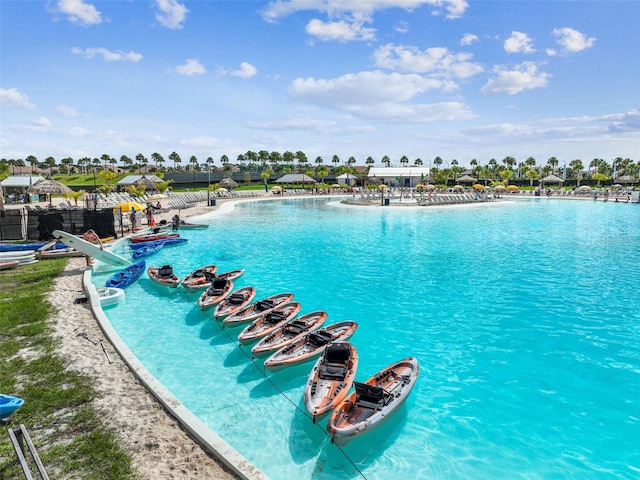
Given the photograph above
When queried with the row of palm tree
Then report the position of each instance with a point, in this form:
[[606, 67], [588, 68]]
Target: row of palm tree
[[263, 161]]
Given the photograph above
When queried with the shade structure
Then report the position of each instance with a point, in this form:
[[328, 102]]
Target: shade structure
[[382, 186], [458, 187], [228, 182], [584, 188], [276, 187], [295, 178], [500, 187], [146, 183], [551, 179], [626, 179], [50, 187], [477, 186], [222, 190], [157, 196], [467, 179], [127, 206], [512, 188], [430, 186]]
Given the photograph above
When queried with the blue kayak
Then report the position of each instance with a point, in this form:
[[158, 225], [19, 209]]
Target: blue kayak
[[126, 277], [9, 404], [168, 241], [18, 247], [148, 250]]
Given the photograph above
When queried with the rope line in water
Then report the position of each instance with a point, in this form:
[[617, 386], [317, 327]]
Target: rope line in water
[[251, 359]]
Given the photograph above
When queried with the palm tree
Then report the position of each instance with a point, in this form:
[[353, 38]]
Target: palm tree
[[418, 162], [157, 158], [437, 162], [351, 161], [532, 175], [386, 161], [263, 157], [274, 159], [175, 158], [126, 161], [336, 161], [49, 162], [553, 163], [266, 174], [370, 162], [576, 167], [193, 160], [322, 172], [319, 161], [404, 160], [67, 163], [302, 159], [209, 162], [33, 161], [142, 160]]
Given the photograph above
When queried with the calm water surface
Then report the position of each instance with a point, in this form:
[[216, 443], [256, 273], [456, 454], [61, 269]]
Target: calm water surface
[[524, 316]]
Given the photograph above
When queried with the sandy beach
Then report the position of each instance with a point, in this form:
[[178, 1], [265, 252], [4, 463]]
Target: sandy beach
[[159, 447]]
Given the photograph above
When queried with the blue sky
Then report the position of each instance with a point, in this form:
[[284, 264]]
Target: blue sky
[[421, 78]]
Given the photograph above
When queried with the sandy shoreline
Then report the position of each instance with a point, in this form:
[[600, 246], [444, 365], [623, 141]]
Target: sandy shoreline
[[159, 447]]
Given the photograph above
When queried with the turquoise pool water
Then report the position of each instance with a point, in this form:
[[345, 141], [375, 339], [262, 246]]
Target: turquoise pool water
[[524, 316]]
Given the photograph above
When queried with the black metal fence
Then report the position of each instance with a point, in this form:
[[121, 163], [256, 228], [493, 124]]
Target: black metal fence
[[38, 224]]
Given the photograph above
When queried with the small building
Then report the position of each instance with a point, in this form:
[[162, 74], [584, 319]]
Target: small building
[[19, 183], [400, 176], [348, 179]]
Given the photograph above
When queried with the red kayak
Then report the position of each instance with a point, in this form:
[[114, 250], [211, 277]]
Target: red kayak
[[153, 237]]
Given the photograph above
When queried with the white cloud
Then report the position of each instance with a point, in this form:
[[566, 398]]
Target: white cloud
[[107, 55], [414, 113], [518, 42], [341, 30], [572, 40], [41, 122], [523, 77], [363, 88], [246, 71], [191, 67], [468, 39], [293, 124], [438, 61], [402, 27], [171, 14], [67, 111], [11, 97], [377, 95], [282, 8], [77, 11]]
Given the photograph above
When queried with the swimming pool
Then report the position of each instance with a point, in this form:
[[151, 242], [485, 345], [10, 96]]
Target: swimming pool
[[523, 314]]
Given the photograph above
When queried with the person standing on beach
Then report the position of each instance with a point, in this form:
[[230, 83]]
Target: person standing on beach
[[175, 221]]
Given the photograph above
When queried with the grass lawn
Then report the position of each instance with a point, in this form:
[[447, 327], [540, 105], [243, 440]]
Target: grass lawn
[[64, 425]]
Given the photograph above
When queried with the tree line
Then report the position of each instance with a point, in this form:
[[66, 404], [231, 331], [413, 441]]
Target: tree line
[[271, 162]]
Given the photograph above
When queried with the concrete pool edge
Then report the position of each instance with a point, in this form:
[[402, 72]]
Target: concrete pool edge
[[208, 439]]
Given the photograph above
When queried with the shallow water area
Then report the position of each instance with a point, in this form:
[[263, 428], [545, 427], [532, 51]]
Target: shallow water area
[[523, 315]]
